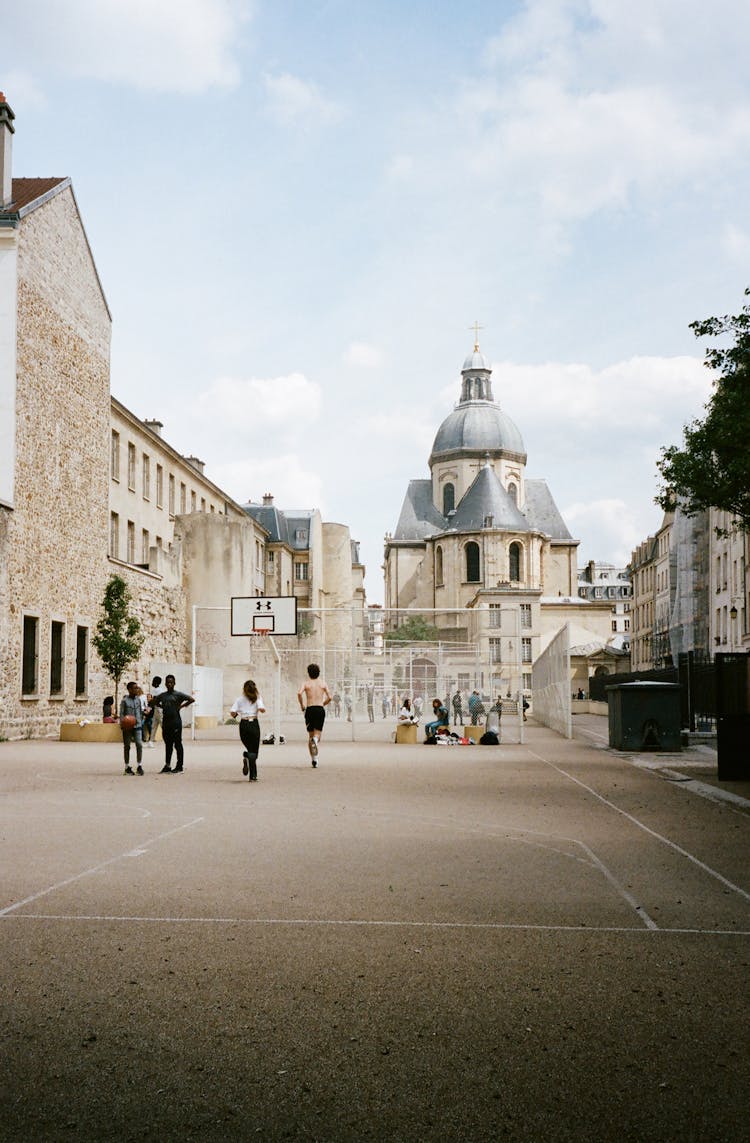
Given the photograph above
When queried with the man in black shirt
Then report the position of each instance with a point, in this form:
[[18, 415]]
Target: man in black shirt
[[171, 703]]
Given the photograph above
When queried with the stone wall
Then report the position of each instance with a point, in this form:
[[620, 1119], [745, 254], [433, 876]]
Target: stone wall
[[52, 541]]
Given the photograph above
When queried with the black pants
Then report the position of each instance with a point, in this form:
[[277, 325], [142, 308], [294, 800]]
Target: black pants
[[172, 736], [250, 735]]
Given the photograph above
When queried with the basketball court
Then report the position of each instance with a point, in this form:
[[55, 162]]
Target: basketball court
[[537, 941]]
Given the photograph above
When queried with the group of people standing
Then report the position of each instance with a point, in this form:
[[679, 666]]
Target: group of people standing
[[139, 713], [166, 704]]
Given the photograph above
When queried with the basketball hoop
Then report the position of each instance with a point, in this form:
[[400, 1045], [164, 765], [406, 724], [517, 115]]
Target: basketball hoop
[[260, 631]]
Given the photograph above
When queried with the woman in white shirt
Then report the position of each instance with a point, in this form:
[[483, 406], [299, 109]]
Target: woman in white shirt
[[406, 714], [248, 706]]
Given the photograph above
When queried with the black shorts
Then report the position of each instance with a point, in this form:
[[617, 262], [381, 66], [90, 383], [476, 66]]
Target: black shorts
[[315, 716]]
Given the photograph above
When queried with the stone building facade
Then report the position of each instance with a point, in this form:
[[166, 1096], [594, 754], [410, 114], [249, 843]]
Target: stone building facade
[[53, 526]]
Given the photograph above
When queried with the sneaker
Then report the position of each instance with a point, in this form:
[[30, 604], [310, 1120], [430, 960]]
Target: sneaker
[[129, 770], [177, 770], [165, 770], [150, 744], [245, 763], [139, 770]]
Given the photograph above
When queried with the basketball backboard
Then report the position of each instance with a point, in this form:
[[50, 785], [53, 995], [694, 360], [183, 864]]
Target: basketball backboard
[[274, 614]]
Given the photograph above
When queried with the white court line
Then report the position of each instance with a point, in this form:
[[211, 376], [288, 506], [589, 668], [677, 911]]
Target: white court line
[[317, 922], [528, 837], [647, 829], [96, 868]]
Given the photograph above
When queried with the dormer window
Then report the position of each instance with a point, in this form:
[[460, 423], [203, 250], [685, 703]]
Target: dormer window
[[513, 493]]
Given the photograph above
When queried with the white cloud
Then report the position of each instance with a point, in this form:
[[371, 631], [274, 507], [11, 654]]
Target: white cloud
[[294, 101], [184, 46], [735, 243], [360, 355], [289, 479], [588, 105], [608, 528], [642, 395], [245, 403]]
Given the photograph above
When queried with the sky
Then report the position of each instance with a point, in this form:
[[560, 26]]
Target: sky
[[298, 210]]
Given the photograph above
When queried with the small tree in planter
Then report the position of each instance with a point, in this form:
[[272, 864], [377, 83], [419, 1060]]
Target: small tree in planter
[[117, 638]]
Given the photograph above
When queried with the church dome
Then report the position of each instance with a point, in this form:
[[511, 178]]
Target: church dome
[[477, 427], [476, 360]]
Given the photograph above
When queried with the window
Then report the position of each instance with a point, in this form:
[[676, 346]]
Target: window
[[270, 561], [146, 470], [159, 486], [513, 493], [526, 682], [472, 562], [526, 615], [203, 504], [496, 654], [193, 501], [449, 499], [130, 556], [158, 542], [514, 562], [183, 498], [114, 535], [171, 495], [131, 467], [614, 624], [496, 615], [526, 650], [30, 662], [145, 546], [82, 660], [439, 566], [115, 455], [300, 536], [300, 571], [56, 658], [627, 624]]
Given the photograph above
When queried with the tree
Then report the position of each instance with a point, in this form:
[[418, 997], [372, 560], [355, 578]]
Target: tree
[[416, 629], [117, 638], [712, 469]]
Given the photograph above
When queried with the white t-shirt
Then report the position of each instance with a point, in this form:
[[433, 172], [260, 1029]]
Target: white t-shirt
[[246, 709]]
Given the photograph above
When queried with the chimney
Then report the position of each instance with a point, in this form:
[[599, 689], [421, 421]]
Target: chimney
[[267, 499], [155, 426], [197, 464], [6, 153]]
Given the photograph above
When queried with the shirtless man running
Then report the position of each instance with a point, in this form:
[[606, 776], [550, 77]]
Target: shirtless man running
[[313, 697]]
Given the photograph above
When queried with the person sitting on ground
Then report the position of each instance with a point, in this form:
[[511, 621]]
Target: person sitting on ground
[[406, 714], [440, 718]]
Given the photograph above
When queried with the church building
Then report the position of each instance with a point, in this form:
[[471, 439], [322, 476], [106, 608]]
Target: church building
[[481, 536]]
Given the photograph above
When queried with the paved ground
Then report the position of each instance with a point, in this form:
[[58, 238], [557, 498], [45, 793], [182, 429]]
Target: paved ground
[[547, 941]]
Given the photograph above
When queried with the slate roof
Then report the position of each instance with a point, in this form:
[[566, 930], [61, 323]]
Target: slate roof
[[419, 517], [542, 513], [282, 527], [487, 497]]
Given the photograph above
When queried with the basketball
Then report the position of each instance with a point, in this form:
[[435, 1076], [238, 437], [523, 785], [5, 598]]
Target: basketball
[[127, 722]]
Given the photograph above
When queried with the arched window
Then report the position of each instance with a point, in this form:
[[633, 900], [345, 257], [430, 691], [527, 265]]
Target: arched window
[[513, 493], [472, 562], [515, 562], [449, 499], [438, 566]]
